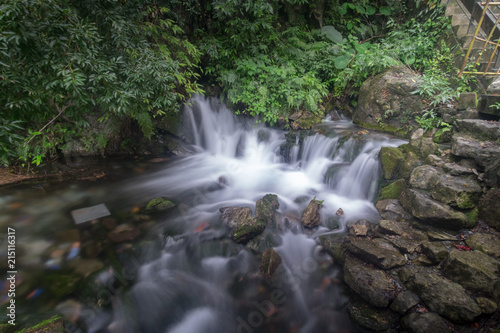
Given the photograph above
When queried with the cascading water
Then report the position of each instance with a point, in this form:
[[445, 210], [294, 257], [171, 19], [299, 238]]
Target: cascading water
[[203, 281]]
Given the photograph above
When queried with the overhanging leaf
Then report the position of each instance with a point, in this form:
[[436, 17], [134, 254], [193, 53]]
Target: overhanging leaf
[[385, 10], [342, 61], [332, 34]]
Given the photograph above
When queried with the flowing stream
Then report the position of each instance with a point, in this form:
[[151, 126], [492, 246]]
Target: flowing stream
[[187, 275]]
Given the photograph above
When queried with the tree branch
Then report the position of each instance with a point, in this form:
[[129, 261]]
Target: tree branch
[[61, 110]]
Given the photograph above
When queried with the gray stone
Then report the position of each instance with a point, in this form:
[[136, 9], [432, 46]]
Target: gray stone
[[424, 145], [426, 322], [411, 162], [475, 271], [467, 100], [487, 243], [266, 210], [360, 228], [248, 230], [388, 96], [404, 301], [390, 227], [334, 245], [458, 170], [489, 209], [391, 159], [391, 209], [234, 216], [123, 233], [432, 212], [378, 252], [436, 252], [372, 284], [269, 263], [444, 297], [459, 192], [311, 217], [434, 160], [481, 129], [425, 177], [374, 319]]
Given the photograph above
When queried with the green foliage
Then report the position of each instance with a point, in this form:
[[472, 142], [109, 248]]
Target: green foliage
[[64, 61], [429, 120]]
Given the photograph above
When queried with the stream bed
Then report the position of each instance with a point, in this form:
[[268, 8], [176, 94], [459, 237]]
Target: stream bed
[[178, 270]]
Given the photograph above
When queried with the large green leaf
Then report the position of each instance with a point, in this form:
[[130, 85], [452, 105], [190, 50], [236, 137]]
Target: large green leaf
[[385, 10], [332, 34], [342, 61]]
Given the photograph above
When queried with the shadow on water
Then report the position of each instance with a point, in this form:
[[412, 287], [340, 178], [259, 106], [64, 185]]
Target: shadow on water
[[185, 274]]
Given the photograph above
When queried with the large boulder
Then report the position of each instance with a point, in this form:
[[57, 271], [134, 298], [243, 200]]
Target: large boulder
[[479, 128], [442, 296], [391, 158], [432, 212], [387, 98], [487, 243], [372, 284], [475, 271]]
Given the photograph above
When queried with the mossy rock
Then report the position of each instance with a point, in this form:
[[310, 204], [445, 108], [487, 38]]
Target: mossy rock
[[54, 324], [393, 190], [159, 205], [248, 230], [265, 210], [391, 159]]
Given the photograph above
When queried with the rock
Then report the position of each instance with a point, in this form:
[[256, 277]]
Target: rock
[[436, 252], [440, 236], [426, 322], [459, 192], [423, 261], [390, 227], [372, 284], [444, 297], [270, 261], [55, 324], [489, 209], [411, 162], [475, 271], [467, 100], [85, 267], [433, 212], [265, 210], [262, 242], [480, 129], [360, 228], [123, 233], [311, 217], [92, 248], [69, 236], [455, 169], [70, 309], [393, 190], [305, 121], [404, 301], [388, 96], [425, 177], [334, 246], [392, 209], [378, 252], [374, 319], [391, 158], [487, 305], [434, 160], [247, 230], [234, 216], [159, 205], [422, 144], [487, 243]]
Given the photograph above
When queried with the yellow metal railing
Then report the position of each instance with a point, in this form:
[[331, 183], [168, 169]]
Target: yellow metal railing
[[489, 43]]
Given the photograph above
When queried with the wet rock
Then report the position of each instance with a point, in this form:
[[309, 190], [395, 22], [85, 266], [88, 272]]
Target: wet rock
[[436, 252], [433, 212], [411, 162], [489, 209], [393, 190], [123, 233], [159, 205], [248, 230], [265, 210], [459, 192], [487, 243], [270, 261], [391, 209], [374, 319], [475, 271], [442, 296], [54, 324], [372, 284], [426, 322], [425, 177], [334, 245], [391, 158], [487, 305], [404, 301], [262, 242], [389, 90], [378, 252], [311, 217], [234, 216], [361, 228]]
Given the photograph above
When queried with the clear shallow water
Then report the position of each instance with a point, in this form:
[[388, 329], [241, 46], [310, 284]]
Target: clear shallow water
[[186, 275]]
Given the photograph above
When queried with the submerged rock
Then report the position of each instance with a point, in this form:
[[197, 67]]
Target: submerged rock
[[372, 284], [311, 217], [234, 216], [265, 210], [269, 263], [475, 271], [334, 245], [247, 230]]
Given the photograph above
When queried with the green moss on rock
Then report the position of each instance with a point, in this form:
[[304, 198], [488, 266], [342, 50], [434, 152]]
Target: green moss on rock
[[392, 159], [54, 324], [393, 190], [247, 230]]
